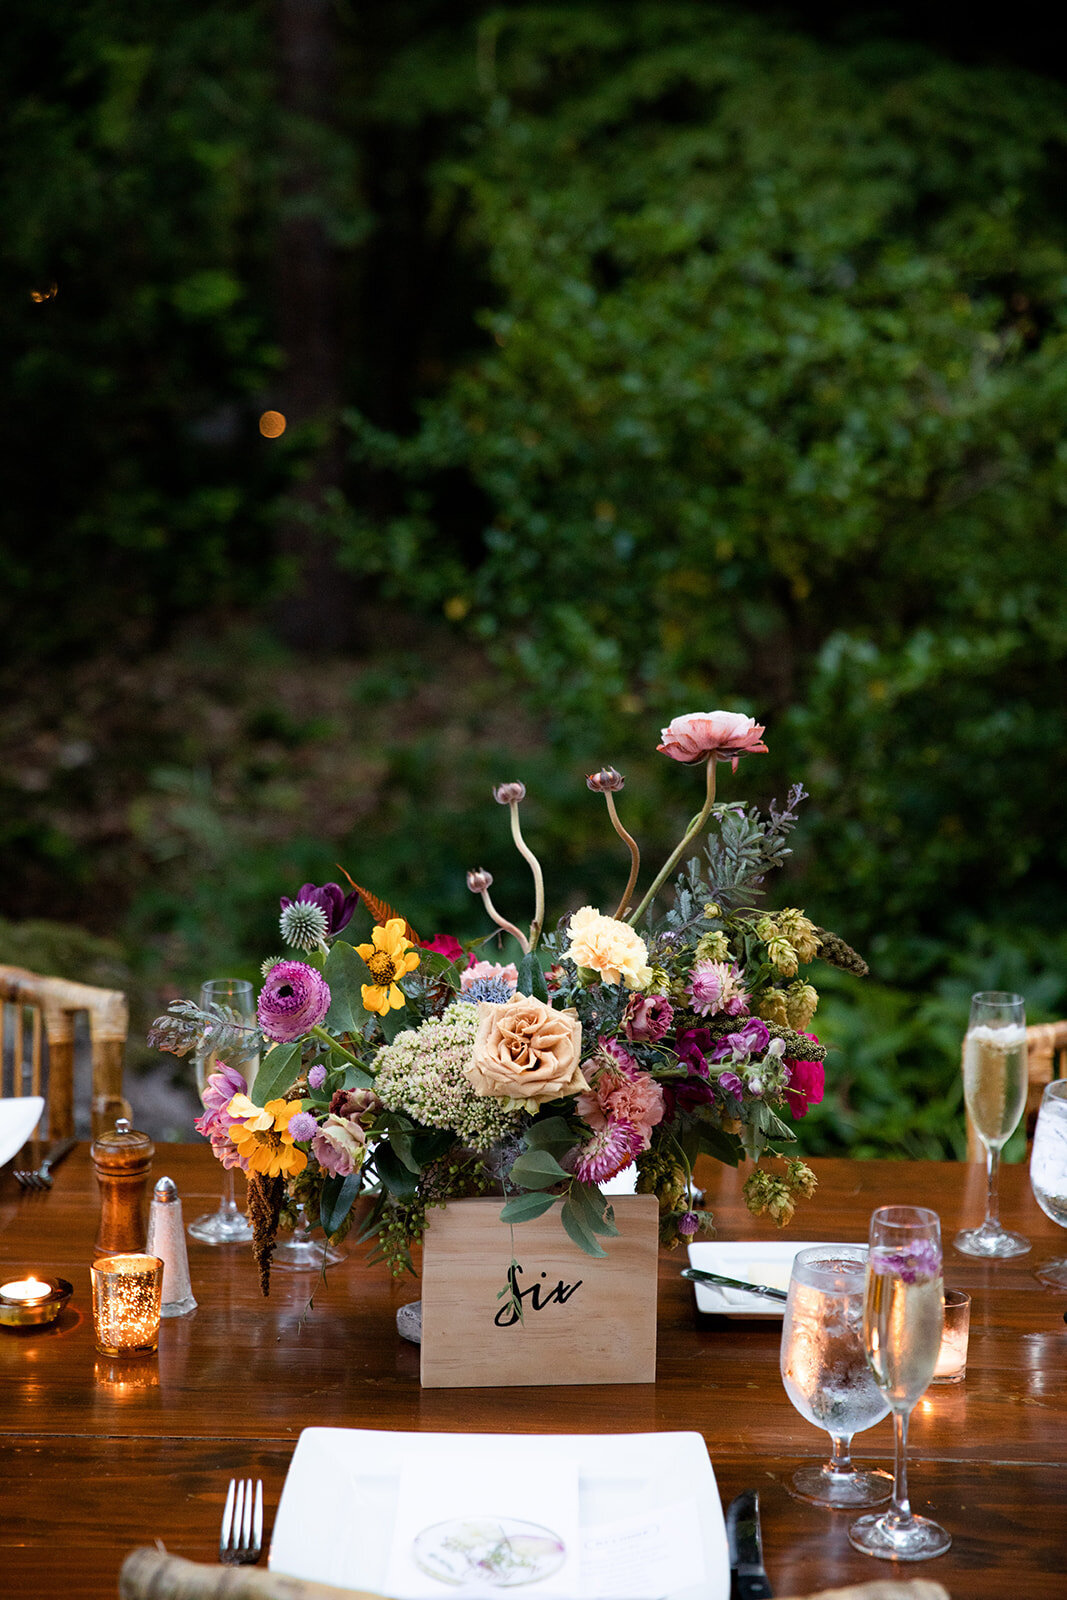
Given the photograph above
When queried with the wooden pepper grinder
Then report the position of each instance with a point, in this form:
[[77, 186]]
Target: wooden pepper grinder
[[122, 1160]]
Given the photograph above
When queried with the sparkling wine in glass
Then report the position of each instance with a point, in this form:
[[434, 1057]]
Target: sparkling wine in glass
[[994, 1087], [235, 999], [1048, 1172], [826, 1373], [903, 1314]]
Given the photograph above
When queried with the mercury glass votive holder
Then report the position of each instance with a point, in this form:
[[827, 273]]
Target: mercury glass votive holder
[[127, 1291], [952, 1357]]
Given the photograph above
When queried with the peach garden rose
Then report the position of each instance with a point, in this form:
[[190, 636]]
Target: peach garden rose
[[526, 1053]]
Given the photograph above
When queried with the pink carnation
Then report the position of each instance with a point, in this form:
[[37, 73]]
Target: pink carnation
[[715, 989], [720, 735], [620, 1092], [491, 970]]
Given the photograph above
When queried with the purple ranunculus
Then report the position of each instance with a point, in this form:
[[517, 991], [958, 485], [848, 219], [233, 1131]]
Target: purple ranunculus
[[331, 900], [293, 1000], [647, 1018]]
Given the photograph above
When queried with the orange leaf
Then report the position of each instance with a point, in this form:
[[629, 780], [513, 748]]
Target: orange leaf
[[380, 910]]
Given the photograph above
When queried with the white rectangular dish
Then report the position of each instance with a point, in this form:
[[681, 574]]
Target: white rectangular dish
[[766, 1261], [339, 1504]]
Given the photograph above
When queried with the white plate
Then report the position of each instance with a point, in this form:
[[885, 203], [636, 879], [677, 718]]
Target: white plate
[[335, 1518], [766, 1261], [18, 1118]]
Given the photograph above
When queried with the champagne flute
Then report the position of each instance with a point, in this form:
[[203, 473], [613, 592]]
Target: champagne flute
[[994, 1087], [826, 1373], [903, 1314], [1048, 1172], [235, 998]]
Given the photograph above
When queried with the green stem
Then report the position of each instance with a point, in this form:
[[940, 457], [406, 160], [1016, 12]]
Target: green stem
[[635, 855], [535, 867], [320, 1033], [502, 922], [672, 860]]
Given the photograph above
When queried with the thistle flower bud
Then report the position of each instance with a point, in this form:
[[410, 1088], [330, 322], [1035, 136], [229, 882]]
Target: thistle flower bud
[[479, 880], [303, 925], [606, 781], [508, 794]]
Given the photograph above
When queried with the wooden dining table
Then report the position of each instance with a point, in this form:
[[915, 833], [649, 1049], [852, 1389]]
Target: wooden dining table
[[98, 1455]]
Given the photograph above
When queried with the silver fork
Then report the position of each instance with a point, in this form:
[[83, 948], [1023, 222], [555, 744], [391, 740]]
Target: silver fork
[[41, 1177], [241, 1538]]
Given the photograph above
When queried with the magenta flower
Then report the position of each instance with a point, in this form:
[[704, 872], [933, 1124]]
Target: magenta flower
[[718, 735], [730, 1083], [715, 989], [807, 1084], [647, 1018], [294, 999], [446, 944], [332, 900]]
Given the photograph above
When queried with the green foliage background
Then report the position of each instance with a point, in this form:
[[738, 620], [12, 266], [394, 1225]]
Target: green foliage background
[[690, 360]]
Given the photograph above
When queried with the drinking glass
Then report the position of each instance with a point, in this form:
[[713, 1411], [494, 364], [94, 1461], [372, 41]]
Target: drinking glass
[[903, 1312], [994, 1087], [237, 1002], [826, 1373], [301, 1250], [1048, 1172]]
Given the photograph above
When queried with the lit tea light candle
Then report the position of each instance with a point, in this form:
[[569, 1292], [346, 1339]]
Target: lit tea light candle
[[952, 1357], [32, 1302], [25, 1290]]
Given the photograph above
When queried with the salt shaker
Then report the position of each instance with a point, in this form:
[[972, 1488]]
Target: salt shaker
[[122, 1160], [166, 1239]]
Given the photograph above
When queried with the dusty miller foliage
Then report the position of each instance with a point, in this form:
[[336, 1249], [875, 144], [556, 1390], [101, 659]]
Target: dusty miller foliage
[[185, 1025], [737, 858]]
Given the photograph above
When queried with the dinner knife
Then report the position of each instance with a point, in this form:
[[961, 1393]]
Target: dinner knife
[[696, 1275], [748, 1581]]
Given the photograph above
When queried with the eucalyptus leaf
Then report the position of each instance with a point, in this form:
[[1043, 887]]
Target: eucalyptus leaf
[[579, 1232], [346, 973], [279, 1068], [536, 1169], [337, 1198], [524, 1207]]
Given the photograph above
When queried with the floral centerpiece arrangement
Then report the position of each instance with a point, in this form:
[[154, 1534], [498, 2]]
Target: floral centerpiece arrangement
[[415, 1072]]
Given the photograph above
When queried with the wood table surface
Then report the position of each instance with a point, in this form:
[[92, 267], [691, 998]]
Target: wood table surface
[[98, 1456]]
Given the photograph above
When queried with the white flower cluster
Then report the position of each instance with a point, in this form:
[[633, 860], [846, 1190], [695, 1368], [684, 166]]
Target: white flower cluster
[[423, 1074]]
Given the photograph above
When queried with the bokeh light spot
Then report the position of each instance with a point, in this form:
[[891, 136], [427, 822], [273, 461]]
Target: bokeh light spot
[[272, 424]]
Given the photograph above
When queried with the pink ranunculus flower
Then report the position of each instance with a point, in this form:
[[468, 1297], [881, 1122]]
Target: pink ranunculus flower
[[339, 1146], [719, 735], [807, 1083], [491, 970], [293, 1000]]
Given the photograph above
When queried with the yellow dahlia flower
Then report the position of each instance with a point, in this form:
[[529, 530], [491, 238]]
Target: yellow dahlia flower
[[389, 956], [264, 1142]]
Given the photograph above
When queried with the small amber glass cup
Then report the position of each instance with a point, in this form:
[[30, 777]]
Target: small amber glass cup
[[127, 1291]]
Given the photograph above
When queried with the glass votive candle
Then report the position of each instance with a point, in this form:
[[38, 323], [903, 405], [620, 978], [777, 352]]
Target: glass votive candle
[[952, 1357], [127, 1291]]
